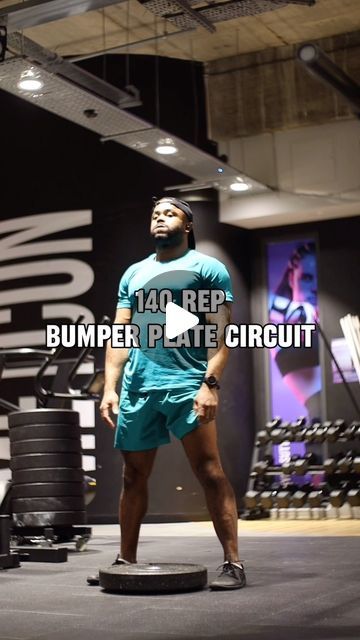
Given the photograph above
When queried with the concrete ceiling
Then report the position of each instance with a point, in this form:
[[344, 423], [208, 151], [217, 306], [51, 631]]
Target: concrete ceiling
[[130, 27], [124, 27]]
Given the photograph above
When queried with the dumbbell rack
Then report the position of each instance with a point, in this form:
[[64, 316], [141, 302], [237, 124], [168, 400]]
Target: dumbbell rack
[[261, 481]]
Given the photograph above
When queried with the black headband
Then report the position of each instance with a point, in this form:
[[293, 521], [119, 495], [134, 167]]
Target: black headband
[[180, 204]]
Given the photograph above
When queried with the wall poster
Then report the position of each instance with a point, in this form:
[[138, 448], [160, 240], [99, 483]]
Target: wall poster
[[295, 374]]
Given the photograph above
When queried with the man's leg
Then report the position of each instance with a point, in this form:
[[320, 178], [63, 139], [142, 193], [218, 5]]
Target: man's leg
[[202, 451], [134, 499]]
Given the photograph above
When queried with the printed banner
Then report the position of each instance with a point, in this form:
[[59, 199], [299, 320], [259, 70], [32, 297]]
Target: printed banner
[[295, 375], [46, 275]]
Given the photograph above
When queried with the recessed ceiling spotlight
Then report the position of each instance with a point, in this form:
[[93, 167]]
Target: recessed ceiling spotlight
[[240, 185], [166, 147], [30, 80], [220, 170]]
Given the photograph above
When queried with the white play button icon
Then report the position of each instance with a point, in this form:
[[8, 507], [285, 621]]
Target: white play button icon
[[178, 320]]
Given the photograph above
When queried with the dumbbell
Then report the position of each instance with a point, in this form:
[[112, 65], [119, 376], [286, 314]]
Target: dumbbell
[[330, 464], [252, 499], [288, 435], [315, 498], [284, 496], [301, 495], [288, 466], [350, 431], [262, 438], [273, 424], [299, 435], [300, 423], [267, 497], [345, 462], [297, 427], [283, 499], [338, 496], [353, 497], [301, 465], [336, 430], [327, 424], [261, 467], [299, 498], [310, 432], [278, 434], [320, 433]]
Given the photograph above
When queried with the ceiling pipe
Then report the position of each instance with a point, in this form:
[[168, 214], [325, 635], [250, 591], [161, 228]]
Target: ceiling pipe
[[321, 66], [123, 48]]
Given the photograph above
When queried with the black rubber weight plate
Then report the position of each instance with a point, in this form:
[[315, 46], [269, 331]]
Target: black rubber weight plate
[[49, 519], [43, 416], [45, 446], [60, 474], [47, 489], [41, 460], [31, 432], [146, 578], [23, 505]]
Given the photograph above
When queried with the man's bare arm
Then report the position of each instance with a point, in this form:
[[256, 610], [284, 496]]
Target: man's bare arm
[[114, 364], [206, 401]]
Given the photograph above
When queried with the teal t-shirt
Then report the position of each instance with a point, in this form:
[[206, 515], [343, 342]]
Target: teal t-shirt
[[163, 367]]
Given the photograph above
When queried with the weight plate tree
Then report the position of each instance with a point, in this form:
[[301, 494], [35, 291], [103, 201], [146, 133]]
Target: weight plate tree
[[46, 465]]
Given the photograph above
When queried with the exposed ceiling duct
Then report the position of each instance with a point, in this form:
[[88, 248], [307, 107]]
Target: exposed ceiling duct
[[52, 66], [35, 12], [74, 94], [186, 14]]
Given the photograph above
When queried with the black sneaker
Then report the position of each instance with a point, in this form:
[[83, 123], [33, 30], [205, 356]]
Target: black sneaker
[[232, 576], [94, 580]]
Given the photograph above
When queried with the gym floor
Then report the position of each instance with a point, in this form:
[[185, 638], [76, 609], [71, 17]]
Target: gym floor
[[303, 583]]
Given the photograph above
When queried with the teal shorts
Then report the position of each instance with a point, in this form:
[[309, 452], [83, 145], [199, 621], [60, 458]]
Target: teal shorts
[[146, 419]]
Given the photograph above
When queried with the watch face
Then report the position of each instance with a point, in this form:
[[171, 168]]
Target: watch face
[[211, 380]]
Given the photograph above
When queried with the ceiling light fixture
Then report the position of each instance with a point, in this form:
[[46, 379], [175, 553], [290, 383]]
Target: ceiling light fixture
[[240, 185], [30, 80], [166, 147]]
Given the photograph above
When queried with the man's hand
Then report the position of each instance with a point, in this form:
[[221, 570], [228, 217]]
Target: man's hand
[[205, 404], [109, 402]]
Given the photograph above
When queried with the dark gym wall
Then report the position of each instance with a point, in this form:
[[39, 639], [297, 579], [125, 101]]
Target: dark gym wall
[[339, 294], [51, 165]]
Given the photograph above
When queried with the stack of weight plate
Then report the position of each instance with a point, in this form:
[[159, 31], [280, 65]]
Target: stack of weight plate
[[46, 465]]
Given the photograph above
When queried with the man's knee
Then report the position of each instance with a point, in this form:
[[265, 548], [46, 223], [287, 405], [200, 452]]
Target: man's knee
[[210, 473], [135, 476]]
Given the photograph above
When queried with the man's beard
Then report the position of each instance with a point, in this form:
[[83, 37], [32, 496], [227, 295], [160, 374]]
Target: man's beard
[[172, 240]]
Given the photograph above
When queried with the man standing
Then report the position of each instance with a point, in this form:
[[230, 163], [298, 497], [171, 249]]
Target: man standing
[[171, 389]]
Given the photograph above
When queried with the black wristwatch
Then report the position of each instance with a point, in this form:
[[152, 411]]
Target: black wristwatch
[[211, 382]]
